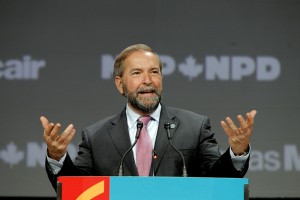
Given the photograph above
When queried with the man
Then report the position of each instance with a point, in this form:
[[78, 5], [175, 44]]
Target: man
[[138, 77]]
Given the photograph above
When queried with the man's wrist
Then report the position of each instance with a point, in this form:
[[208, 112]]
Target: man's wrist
[[53, 157], [244, 153]]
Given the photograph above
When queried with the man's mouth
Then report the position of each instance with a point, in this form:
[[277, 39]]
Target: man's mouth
[[149, 92]]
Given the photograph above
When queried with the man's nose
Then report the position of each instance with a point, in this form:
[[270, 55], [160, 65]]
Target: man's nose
[[147, 78]]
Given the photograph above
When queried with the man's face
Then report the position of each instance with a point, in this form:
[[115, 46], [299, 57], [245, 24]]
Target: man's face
[[141, 82]]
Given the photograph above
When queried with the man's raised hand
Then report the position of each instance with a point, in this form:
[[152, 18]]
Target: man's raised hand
[[57, 142], [239, 137]]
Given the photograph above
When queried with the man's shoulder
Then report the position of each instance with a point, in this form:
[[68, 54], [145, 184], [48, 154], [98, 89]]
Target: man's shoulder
[[187, 118], [179, 112], [99, 124], [105, 122]]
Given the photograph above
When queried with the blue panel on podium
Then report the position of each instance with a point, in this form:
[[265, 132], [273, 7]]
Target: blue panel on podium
[[175, 188]]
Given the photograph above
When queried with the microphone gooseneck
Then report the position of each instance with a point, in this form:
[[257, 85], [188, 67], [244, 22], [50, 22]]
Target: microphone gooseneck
[[154, 158], [167, 126], [139, 127]]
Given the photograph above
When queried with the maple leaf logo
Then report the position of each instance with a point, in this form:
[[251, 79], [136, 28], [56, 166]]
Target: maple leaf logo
[[190, 68], [11, 155]]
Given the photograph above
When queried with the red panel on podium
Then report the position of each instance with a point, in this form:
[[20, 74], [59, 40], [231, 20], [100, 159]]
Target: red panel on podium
[[83, 188]]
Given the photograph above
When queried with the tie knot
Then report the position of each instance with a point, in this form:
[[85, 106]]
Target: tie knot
[[145, 119]]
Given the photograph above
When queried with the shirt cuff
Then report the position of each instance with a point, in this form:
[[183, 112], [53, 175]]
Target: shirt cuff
[[55, 165], [239, 161]]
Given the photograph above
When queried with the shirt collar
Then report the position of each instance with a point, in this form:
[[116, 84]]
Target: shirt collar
[[132, 117]]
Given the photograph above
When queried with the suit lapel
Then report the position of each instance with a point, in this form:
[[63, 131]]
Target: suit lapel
[[162, 142], [120, 136]]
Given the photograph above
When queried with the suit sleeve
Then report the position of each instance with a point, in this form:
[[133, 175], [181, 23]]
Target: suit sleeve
[[82, 165], [211, 162], [68, 169]]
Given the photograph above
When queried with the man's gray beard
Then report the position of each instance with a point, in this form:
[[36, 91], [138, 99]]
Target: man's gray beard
[[133, 100]]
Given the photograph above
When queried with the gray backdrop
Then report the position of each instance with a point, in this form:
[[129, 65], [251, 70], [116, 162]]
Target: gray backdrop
[[220, 59]]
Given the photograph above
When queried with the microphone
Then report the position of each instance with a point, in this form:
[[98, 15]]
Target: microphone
[[139, 127], [154, 157], [168, 127]]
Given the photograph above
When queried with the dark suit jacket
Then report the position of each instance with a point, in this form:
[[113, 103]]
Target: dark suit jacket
[[104, 143]]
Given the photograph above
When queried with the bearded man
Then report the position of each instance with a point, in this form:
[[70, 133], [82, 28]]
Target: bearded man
[[138, 77]]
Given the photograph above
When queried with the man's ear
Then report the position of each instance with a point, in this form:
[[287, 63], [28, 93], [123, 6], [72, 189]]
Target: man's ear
[[119, 85]]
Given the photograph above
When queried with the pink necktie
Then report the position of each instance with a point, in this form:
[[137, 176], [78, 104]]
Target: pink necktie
[[144, 149]]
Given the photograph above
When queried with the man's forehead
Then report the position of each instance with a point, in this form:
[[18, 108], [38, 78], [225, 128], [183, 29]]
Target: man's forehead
[[141, 56]]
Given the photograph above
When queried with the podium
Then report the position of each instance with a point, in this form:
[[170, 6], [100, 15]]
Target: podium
[[150, 188]]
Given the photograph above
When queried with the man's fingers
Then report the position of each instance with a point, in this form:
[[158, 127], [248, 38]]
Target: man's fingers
[[242, 122], [55, 132], [44, 121], [231, 125], [67, 135], [45, 124], [250, 117], [48, 127], [226, 128], [70, 136], [253, 113]]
